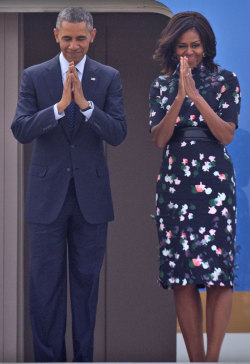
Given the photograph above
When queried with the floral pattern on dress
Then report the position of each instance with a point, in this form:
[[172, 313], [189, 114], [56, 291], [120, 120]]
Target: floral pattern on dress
[[195, 197]]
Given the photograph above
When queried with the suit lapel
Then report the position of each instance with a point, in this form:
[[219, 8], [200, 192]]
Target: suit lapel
[[54, 79], [89, 78]]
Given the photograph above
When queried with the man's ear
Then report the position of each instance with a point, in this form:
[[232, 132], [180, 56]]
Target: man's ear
[[56, 35], [93, 34]]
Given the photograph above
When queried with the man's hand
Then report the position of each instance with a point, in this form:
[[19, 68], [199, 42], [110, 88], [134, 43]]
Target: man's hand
[[72, 90], [77, 92], [67, 94]]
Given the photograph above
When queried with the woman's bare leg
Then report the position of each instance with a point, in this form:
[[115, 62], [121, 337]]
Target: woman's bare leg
[[219, 304], [189, 312]]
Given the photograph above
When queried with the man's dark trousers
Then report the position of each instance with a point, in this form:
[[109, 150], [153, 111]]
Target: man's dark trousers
[[48, 284]]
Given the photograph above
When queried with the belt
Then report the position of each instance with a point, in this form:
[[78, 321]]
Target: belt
[[193, 133]]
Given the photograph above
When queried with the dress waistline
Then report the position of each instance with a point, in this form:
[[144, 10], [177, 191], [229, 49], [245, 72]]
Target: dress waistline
[[193, 133]]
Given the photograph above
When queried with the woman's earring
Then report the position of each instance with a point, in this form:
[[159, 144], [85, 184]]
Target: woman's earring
[[204, 54]]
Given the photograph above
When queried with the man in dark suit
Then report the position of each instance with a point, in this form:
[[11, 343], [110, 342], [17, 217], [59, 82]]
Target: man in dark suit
[[68, 106]]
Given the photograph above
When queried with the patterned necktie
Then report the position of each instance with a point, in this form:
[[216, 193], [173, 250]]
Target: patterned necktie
[[70, 114]]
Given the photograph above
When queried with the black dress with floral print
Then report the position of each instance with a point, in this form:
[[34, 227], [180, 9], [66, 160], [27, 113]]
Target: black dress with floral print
[[195, 197]]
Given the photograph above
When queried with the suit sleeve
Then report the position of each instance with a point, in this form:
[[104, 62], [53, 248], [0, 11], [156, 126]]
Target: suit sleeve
[[30, 122], [109, 123]]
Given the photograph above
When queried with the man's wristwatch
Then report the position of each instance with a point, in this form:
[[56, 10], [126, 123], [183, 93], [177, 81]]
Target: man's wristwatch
[[90, 106]]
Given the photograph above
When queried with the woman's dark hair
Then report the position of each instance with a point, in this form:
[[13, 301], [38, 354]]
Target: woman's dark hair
[[177, 25]]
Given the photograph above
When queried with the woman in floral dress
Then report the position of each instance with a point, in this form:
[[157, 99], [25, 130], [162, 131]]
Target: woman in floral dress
[[194, 111]]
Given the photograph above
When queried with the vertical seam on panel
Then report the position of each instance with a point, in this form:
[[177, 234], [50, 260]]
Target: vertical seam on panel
[[4, 168], [20, 270], [3, 188], [106, 260]]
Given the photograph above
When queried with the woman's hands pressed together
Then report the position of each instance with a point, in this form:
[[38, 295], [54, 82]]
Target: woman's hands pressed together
[[162, 132], [186, 81]]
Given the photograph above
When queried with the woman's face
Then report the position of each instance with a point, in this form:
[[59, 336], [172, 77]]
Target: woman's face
[[189, 45]]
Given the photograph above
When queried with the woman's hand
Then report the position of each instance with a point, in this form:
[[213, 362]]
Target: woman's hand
[[187, 79], [181, 90]]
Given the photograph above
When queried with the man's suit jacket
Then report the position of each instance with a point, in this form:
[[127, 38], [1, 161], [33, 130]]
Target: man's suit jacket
[[57, 155]]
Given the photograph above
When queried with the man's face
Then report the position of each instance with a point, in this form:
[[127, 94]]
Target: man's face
[[74, 40]]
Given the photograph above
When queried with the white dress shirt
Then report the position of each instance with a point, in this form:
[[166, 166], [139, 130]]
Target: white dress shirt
[[64, 64]]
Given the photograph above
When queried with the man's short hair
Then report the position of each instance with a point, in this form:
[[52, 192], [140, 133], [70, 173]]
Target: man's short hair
[[75, 15]]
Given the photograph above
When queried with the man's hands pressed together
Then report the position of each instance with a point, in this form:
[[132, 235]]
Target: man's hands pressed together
[[72, 90]]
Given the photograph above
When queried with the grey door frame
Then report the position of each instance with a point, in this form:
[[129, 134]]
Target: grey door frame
[[95, 6], [10, 221], [11, 168]]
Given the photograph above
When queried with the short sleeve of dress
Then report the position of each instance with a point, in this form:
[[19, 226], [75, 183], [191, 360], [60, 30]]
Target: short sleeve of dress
[[229, 98], [157, 112]]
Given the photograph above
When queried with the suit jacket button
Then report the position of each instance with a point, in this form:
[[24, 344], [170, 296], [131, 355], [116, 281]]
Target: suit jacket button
[[73, 146], [68, 169]]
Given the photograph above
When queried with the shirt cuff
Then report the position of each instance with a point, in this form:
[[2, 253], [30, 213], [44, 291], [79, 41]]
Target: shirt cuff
[[87, 113], [57, 115]]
